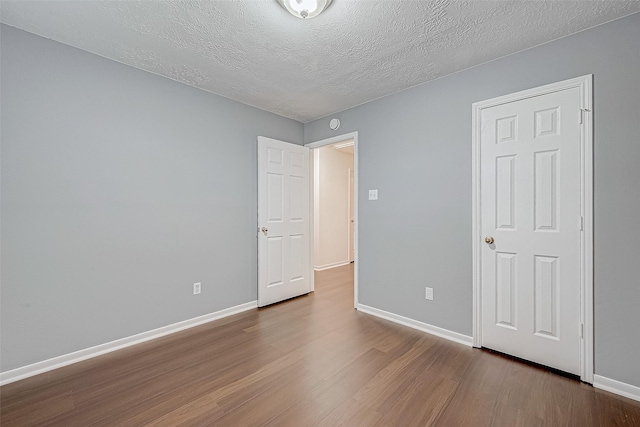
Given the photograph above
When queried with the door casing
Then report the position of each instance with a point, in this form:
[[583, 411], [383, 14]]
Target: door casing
[[351, 220], [585, 84], [322, 143]]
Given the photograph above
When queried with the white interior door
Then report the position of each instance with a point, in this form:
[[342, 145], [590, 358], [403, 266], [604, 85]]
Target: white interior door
[[283, 221], [530, 207]]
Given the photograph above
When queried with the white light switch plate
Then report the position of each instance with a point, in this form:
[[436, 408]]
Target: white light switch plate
[[373, 194]]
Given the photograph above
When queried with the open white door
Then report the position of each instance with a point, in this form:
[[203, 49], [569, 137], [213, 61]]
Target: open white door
[[283, 221]]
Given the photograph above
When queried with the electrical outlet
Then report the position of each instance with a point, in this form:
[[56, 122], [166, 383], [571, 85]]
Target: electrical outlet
[[196, 288], [428, 293], [373, 194]]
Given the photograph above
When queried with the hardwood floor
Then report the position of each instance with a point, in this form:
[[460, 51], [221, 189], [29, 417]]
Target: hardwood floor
[[312, 360]]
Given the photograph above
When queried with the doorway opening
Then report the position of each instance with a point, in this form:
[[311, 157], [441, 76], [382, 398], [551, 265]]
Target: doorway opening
[[334, 198]]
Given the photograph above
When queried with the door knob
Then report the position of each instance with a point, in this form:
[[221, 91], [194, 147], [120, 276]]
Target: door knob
[[488, 240], [264, 230]]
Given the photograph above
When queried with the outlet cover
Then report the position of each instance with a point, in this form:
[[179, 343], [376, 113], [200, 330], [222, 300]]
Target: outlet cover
[[373, 194], [197, 287], [428, 293]]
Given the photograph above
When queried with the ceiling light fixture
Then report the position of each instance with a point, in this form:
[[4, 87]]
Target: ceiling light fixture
[[305, 8]]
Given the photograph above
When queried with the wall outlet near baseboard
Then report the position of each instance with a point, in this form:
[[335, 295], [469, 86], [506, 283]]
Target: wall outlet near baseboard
[[197, 287], [428, 293]]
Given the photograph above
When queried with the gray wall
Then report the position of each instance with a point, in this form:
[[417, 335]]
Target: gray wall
[[119, 190], [415, 147]]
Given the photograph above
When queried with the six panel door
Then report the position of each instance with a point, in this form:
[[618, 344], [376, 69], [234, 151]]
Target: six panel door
[[283, 221], [530, 207]]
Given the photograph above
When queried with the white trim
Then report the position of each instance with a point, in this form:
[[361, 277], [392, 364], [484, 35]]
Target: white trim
[[617, 387], [98, 350], [344, 145], [424, 327], [329, 141], [585, 84], [332, 265], [314, 193], [334, 139], [586, 244], [350, 204]]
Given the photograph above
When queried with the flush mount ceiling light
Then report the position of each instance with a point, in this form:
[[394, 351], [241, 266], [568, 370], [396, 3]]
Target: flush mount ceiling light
[[305, 8]]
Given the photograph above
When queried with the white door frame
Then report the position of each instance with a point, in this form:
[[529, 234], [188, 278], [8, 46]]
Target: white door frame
[[351, 214], [322, 143], [585, 84]]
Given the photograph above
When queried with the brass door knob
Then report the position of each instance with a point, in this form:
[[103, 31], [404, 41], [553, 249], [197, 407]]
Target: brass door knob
[[488, 240]]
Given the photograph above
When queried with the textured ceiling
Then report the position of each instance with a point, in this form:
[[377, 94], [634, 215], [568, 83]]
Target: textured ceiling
[[253, 51]]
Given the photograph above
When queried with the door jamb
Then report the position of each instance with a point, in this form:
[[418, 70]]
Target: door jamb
[[322, 143], [351, 202], [585, 84]]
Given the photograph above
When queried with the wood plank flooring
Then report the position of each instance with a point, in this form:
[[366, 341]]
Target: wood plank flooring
[[309, 361]]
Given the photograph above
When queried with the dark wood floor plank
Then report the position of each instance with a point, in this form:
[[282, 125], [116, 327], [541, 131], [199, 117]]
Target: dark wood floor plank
[[265, 403], [615, 411], [40, 411], [420, 402], [312, 360], [333, 391], [474, 401], [389, 379], [350, 413], [198, 411]]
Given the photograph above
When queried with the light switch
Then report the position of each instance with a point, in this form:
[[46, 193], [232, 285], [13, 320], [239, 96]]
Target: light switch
[[373, 194]]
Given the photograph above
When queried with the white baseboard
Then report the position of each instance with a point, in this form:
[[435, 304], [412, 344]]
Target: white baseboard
[[617, 387], [332, 265], [80, 355], [424, 327]]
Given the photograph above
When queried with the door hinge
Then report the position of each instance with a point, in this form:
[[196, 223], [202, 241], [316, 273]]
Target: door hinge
[[581, 330], [582, 112], [581, 223]]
